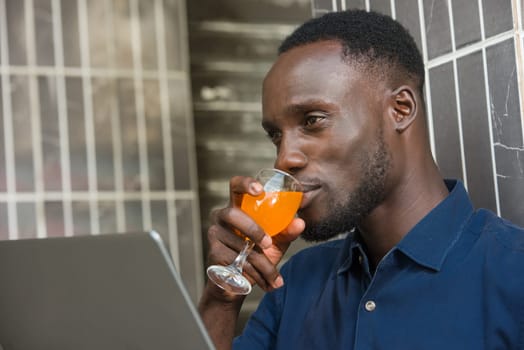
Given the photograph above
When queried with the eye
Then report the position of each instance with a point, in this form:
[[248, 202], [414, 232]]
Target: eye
[[312, 120], [274, 136]]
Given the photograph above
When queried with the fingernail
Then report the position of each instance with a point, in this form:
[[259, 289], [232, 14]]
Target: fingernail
[[279, 282], [256, 187], [266, 242]]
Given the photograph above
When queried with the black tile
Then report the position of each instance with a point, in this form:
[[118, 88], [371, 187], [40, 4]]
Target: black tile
[[16, 35], [407, 14], [181, 128], [218, 86], [507, 129], [159, 219], [438, 32], [504, 94], [154, 135], [43, 17], [475, 126], [22, 135], [3, 180], [382, 6], [26, 217], [70, 32], [510, 179], [209, 46], [107, 216], [187, 236], [133, 213], [498, 16], [123, 48], [251, 11], [466, 22], [445, 121], [320, 13], [353, 4], [101, 36], [4, 222], [129, 134], [81, 218], [51, 151], [148, 34], [225, 141], [104, 110], [54, 219], [77, 135], [173, 40], [322, 4]]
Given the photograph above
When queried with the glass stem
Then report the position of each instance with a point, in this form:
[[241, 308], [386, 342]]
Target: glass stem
[[242, 256]]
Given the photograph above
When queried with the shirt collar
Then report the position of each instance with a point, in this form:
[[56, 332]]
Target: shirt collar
[[429, 242], [351, 244]]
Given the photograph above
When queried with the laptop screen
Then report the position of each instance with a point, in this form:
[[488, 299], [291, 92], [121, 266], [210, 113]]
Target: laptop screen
[[111, 291]]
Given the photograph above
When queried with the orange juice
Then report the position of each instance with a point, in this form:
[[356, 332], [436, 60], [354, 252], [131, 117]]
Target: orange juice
[[273, 211]]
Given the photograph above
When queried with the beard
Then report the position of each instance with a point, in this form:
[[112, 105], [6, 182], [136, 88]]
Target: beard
[[369, 193]]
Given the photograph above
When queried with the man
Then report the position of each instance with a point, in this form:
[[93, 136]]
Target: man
[[419, 268]]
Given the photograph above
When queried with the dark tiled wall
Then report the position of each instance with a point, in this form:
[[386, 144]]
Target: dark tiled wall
[[474, 63]]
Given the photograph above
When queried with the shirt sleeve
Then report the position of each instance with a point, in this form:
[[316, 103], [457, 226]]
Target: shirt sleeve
[[261, 329]]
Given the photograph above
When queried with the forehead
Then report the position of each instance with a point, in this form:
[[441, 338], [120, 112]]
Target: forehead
[[313, 60], [315, 71]]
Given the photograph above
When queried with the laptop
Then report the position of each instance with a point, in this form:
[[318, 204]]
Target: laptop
[[111, 291]]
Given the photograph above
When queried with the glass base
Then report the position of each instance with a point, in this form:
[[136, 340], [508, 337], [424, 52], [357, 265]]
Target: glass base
[[229, 279]]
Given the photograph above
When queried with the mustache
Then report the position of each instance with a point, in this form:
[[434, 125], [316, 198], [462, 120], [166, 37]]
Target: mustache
[[309, 183]]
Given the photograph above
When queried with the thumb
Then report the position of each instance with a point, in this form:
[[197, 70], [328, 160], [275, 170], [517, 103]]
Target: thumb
[[292, 231]]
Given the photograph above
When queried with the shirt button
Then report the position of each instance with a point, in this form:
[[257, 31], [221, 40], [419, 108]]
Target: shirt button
[[370, 305]]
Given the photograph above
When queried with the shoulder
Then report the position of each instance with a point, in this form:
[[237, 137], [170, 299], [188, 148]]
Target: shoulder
[[316, 261], [325, 252], [500, 231], [500, 247]]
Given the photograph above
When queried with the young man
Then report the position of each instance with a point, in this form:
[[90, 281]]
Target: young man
[[419, 268]]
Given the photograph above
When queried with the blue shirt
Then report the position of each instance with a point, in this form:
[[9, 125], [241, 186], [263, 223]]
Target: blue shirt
[[455, 281]]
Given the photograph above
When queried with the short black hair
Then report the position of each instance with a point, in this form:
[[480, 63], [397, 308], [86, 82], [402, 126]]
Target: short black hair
[[367, 37]]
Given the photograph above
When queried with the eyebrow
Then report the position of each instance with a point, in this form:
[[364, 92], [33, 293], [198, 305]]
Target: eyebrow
[[301, 107], [310, 104]]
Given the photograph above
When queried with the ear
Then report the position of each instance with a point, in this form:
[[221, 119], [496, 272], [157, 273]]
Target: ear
[[404, 107]]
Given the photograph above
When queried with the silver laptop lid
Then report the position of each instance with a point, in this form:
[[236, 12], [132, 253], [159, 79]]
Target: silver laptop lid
[[114, 291]]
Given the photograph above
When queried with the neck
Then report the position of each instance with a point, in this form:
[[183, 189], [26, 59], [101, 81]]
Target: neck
[[411, 200]]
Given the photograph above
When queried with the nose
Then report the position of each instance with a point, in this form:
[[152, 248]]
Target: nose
[[290, 157]]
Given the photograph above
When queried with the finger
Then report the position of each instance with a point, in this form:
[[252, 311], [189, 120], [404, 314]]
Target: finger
[[265, 273], [239, 185], [223, 245], [235, 218], [292, 231]]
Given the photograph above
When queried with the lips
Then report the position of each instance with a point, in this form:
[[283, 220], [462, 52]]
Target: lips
[[309, 192]]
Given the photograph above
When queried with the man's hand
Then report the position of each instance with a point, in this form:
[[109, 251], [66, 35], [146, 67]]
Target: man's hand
[[218, 308], [229, 227]]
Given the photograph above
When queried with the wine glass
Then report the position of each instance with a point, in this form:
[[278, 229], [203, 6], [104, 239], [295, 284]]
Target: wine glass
[[272, 210]]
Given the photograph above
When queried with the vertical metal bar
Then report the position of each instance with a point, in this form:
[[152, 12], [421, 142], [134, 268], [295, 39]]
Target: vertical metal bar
[[88, 113], [140, 114], [62, 117], [424, 49], [8, 129], [488, 108], [36, 130], [457, 97], [166, 131]]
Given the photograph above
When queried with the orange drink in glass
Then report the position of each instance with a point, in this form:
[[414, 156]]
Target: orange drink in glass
[[272, 210]]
